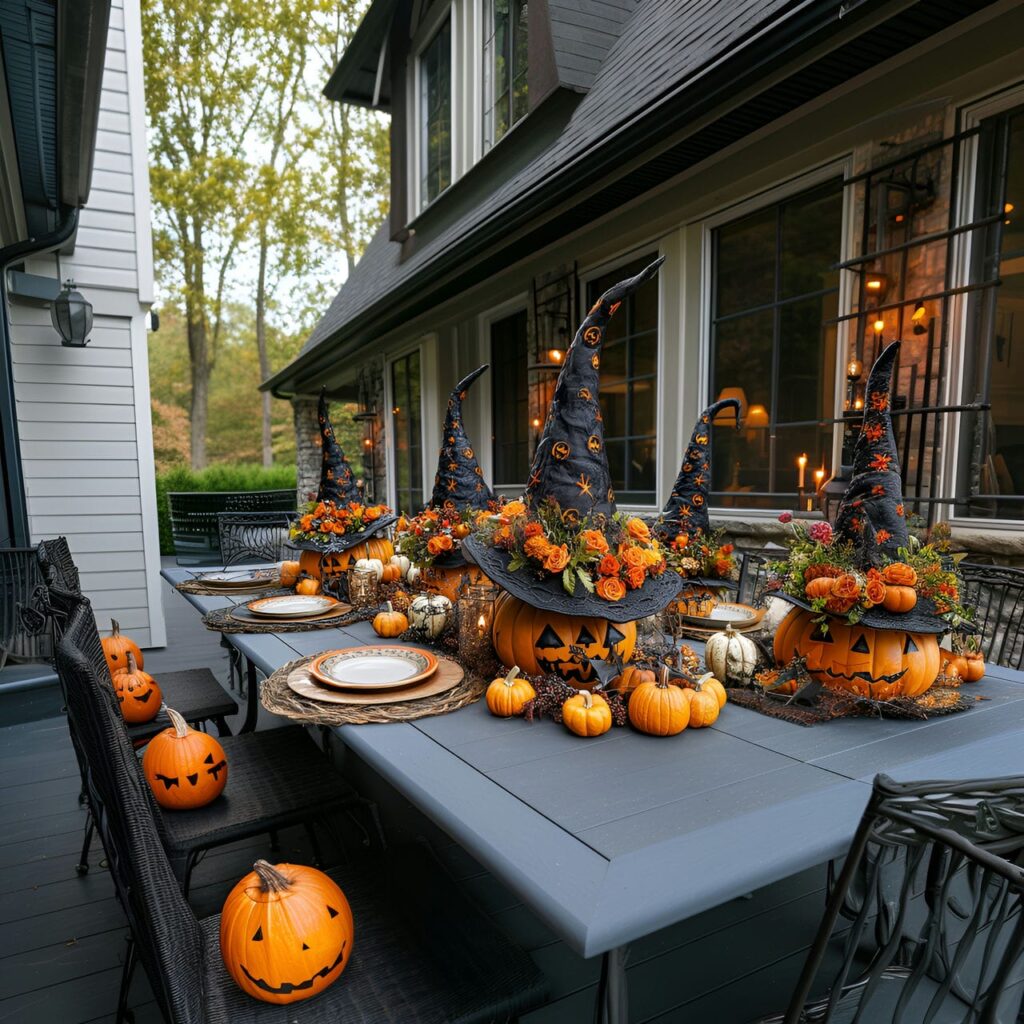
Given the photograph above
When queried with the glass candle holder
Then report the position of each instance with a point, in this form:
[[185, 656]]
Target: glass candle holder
[[362, 588], [476, 617]]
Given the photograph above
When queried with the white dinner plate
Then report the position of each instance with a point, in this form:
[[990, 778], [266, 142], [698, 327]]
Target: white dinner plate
[[291, 606], [373, 668]]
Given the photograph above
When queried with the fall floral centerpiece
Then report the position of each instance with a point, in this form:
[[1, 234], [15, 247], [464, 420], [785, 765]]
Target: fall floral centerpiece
[[706, 557], [436, 534], [324, 522]]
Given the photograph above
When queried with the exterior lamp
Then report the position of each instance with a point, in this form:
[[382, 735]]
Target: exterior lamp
[[71, 316], [917, 319], [854, 368], [876, 284]]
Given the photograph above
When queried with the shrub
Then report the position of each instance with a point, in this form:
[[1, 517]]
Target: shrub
[[220, 477]]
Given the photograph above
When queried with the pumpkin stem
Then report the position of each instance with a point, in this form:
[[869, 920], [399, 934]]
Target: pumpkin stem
[[181, 728], [509, 679], [271, 880], [115, 627], [663, 676], [390, 609], [132, 666], [588, 701], [703, 678]]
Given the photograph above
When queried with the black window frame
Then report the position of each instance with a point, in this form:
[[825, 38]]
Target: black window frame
[[443, 172], [509, 452], [516, 42], [404, 403]]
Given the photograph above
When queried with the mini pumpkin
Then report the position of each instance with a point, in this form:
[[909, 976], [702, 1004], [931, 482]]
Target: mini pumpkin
[[390, 623], [116, 648], [899, 599], [820, 586], [308, 586], [710, 683], [430, 613], [403, 563], [185, 768], [286, 932], [390, 573], [138, 695], [731, 656], [322, 565], [290, 572], [374, 565], [631, 677], [587, 714], [507, 695], [704, 706], [659, 708]]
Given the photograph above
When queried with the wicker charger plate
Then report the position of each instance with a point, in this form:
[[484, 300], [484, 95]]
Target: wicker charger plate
[[202, 589], [238, 619], [279, 697], [448, 675]]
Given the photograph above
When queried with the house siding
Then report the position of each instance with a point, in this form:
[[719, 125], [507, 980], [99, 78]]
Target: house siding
[[83, 414]]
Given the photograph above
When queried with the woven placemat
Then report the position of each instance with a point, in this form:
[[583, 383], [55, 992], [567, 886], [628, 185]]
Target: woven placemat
[[222, 621], [280, 699], [201, 589]]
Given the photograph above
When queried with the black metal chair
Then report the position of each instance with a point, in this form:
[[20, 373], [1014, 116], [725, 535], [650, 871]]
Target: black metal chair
[[20, 586], [252, 536], [931, 892], [996, 593], [194, 514], [423, 954], [277, 778]]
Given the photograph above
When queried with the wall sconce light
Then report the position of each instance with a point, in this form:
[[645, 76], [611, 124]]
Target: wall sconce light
[[71, 315], [555, 355], [878, 326], [1007, 209], [854, 369], [876, 284], [917, 318]]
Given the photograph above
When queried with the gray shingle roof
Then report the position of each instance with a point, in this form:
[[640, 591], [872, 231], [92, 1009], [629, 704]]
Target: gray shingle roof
[[582, 33]]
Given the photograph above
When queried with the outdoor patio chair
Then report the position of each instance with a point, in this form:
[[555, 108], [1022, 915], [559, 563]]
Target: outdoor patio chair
[[277, 778], [194, 518], [194, 692], [931, 891], [997, 594], [252, 537], [20, 584]]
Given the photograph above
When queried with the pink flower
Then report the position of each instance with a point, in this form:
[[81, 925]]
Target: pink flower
[[820, 532], [785, 517]]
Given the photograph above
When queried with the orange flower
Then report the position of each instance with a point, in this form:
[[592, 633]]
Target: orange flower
[[537, 547], [629, 554], [874, 592], [513, 509], [502, 535], [880, 462], [652, 555], [608, 566], [438, 544], [533, 530], [611, 588], [482, 516], [638, 529], [723, 566], [840, 605], [882, 536], [557, 558], [635, 577], [727, 549], [371, 513], [595, 541], [879, 400], [899, 574], [874, 431], [306, 522], [846, 586], [681, 541]]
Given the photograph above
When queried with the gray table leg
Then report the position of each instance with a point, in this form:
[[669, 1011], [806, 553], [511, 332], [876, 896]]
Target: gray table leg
[[612, 998], [252, 706]]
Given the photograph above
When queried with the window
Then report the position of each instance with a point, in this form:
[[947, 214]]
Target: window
[[505, 57], [510, 399], [629, 385], [774, 289], [407, 431], [991, 456], [435, 113]]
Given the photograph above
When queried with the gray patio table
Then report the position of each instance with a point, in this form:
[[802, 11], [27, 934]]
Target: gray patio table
[[594, 835]]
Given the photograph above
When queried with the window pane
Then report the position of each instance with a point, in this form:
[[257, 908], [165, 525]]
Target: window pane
[[407, 429], [510, 399], [745, 256], [810, 225], [436, 114], [505, 67]]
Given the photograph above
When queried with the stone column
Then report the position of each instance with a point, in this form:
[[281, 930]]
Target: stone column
[[307, 447]]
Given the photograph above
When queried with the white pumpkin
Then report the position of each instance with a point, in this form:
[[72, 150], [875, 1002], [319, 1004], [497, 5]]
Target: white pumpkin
[[414, 573], [731, 656], [430, 613], [374, 564], [403, 563]]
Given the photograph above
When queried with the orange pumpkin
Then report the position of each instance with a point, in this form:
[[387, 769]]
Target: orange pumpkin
[[290, 573], [307, 586], [660, 708], [538, 641], [975, 663], [821, 586], [710, 684], [390, 573], [587, 714], [337, 563], [631, 677], [877, 663], [116, 647], [899, 599], [138, 695], [286, 932], [390, 623], [899, 574], [448, 581], [507, 695], [185, 768], [704, 706]]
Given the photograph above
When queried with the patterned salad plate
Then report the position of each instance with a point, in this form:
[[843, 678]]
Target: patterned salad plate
[[373, 668], [739, 616], [230, 579], [291, 606]]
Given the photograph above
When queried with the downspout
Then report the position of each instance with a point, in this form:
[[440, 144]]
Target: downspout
[[11, 455]]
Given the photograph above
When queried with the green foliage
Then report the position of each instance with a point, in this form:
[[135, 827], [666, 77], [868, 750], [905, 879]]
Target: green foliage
[[224, 477]]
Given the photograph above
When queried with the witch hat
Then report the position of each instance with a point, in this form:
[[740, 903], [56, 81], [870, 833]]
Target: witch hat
[[459, 480], [337, 481], [686, 510], [570, 466]]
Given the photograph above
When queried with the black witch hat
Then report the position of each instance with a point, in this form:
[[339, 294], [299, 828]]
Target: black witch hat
[[570, 466], [871, 514], [459, 481]]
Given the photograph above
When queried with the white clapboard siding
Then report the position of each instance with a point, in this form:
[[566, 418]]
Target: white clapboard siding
[[83, 414]]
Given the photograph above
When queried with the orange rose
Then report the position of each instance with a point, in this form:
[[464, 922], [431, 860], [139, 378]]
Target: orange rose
[[631, 555], [537, 547], [814, 571], [595, 541], [438, 544], [846, 587], [652, 556], [533, 530], [557, 558], [482, 517], [723, 566], [371, 513], [635, 577], [874, 592], [899, 574], [513, 509], [638, 529], [840, 605], [608, 566], [611, 588], [502, 535]]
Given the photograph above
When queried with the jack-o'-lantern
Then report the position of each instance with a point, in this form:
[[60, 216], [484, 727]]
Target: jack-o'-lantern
[[696, 600], [538, 641], [336, 563], [877, 663], [116, 648], [138, 695], [286, 932], [185, 768], [448, 581]]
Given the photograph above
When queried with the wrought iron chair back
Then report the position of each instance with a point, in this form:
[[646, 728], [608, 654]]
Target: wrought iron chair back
[[932, 888], [252, 536], [997, 594], [22, 638], [57, 565]]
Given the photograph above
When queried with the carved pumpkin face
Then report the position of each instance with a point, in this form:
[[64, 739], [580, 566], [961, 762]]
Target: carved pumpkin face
[[539, 641], [138, 695], [876, 663], [337, 563], [116, 648], [185, 768], [286, 932]]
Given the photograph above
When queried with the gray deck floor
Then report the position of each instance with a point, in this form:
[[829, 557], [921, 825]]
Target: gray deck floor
[[62, 938]]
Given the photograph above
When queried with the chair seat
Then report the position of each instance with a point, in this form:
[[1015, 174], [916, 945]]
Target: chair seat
[[275, 777], [195, 694], [423, 954]]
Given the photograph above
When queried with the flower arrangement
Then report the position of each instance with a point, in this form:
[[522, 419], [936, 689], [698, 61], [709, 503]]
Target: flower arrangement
[[607, 555], [703, 555], [826, 573], [435, 532], [322, 521]]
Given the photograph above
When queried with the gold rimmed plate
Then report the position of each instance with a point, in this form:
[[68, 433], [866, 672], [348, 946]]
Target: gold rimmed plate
[[231, 579], [291, 606], [382, 667], [726, 613], [448, 675]]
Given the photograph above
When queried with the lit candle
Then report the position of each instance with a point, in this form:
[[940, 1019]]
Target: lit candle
[[879, 326], [481, 625], [802, 463]]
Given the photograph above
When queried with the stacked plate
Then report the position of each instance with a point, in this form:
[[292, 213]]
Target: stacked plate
[[292, 606], [230, 580]]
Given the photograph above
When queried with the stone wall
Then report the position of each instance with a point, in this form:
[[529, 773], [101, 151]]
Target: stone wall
[[307, 447]]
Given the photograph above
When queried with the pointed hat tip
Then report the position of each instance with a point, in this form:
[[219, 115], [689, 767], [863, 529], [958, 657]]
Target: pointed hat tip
[[469, 378]]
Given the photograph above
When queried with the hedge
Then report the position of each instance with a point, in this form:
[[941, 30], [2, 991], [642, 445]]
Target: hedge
[[221, 477]]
